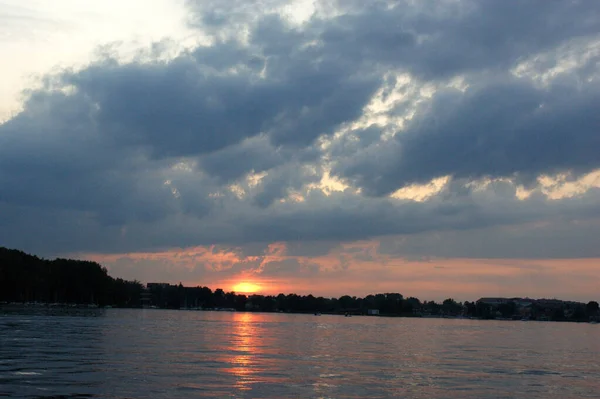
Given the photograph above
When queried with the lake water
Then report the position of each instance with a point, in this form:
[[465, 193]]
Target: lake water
[[180, 354]]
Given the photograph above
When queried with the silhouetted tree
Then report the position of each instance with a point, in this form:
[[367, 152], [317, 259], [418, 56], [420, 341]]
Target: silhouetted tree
[[592, 308], [579, 314], [450, 306]]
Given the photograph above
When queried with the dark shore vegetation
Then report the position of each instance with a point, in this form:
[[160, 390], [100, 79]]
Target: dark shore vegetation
[[28, 279]]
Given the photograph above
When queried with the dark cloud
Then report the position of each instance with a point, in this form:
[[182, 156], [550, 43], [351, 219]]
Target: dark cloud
[[255, 154], [433, 39], [140, 155], [220, 95], [52, 157], [559, 239], [500, 129], [339, 217], [100, 139], [347, 217], [173, 109], [438, 39], [278, 183]]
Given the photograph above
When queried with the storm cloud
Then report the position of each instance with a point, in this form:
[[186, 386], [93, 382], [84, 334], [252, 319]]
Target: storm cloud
[[271, 129]]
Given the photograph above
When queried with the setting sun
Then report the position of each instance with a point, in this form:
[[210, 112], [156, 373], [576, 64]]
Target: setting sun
[[246, 288]]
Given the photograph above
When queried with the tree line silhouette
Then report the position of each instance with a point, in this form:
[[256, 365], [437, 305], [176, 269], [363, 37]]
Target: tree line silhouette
[[178, 296], [27, 278]]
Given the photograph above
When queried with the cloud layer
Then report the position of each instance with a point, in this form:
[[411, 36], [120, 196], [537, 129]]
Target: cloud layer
[[280, 128]]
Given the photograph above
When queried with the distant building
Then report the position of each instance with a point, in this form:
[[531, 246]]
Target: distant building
[[493, 301], [523, 302], [146, 299]]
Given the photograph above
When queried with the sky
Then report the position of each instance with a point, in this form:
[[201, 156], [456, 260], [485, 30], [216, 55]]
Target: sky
[[438, 149]]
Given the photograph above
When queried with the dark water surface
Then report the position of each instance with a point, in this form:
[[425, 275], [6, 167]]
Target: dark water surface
[[180, 354]]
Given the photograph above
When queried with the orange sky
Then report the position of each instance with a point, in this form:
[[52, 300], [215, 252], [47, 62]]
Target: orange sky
[[358, 269]]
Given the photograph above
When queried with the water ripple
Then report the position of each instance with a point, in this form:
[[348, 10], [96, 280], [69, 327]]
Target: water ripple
[[166, 354]]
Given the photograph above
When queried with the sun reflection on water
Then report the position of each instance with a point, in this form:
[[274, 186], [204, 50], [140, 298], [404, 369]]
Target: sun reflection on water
[[246, 350]]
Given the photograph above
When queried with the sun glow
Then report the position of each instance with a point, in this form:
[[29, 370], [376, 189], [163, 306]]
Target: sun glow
[[246, 288]]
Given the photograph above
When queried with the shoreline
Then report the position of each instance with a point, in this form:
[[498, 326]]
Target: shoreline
[[91, 309]]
